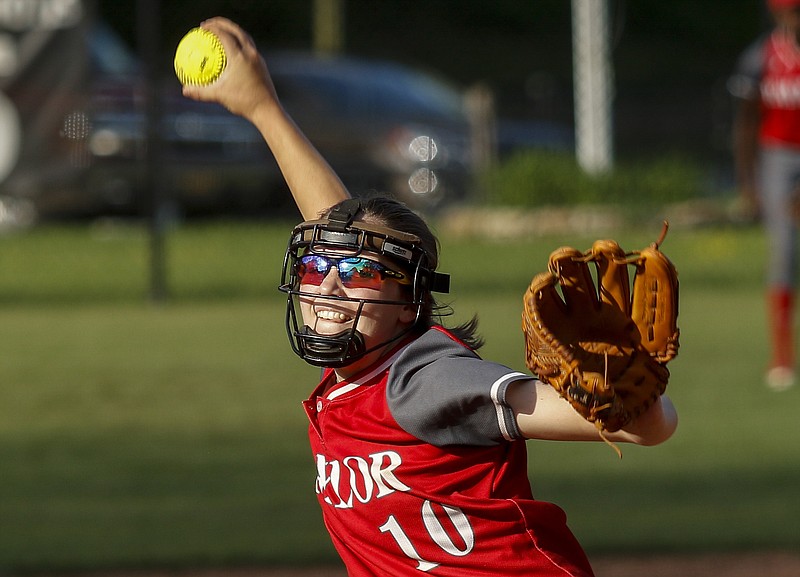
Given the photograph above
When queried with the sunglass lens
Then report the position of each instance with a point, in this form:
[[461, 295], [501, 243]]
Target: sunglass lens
[[312, 269], [360, 273]]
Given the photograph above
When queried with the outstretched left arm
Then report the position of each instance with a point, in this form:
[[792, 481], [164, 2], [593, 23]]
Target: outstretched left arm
[[542, 414]]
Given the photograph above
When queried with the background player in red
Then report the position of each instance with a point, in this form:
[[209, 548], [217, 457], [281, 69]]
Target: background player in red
[[767, 156], [419, 443]]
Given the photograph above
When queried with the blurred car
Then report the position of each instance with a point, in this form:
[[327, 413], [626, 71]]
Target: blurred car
[[82, 144], [380, 125], [206, 158]]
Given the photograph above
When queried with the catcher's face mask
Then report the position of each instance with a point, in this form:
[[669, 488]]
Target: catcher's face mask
[[317, 247]]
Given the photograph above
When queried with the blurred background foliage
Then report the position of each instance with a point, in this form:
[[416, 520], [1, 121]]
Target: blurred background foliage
[[542, 178]]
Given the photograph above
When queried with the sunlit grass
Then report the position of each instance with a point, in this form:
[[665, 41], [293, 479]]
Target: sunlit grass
[[141, 434]]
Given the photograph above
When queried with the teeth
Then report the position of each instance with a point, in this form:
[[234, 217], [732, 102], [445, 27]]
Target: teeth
[[332, 316]]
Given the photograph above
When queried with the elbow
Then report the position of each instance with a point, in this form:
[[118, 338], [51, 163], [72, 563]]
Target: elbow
[[660, 436], [657, 425]]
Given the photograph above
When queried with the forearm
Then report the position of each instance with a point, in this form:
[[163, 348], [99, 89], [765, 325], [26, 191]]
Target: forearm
[[542, 414], [745, 145], [312, 182]]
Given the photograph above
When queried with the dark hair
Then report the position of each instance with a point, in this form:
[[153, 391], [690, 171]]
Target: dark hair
[[386, 211]]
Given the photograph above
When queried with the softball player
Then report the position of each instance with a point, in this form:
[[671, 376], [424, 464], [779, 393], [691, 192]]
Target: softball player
[[767, 156], [419, 444]]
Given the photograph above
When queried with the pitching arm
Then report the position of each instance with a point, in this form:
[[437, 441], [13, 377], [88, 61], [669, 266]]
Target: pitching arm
[[246, 89]]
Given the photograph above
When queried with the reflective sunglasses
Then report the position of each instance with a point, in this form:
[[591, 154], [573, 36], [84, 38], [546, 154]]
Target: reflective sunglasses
[[354, 272]]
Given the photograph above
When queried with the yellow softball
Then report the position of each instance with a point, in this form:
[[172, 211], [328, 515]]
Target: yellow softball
[[199, 57]]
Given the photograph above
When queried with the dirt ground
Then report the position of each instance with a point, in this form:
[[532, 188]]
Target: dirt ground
[[731, 565], [776, 564]]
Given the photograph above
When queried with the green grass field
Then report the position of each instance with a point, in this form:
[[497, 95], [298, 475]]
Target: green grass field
[[135, 434]]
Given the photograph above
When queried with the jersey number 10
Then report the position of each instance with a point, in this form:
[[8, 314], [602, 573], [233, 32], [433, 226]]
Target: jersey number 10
[[436, 532]]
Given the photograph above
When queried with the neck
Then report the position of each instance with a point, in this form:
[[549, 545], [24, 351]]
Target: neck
[[369, 360]]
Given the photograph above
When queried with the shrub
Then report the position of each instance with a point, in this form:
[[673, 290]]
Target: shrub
[[533, 179]]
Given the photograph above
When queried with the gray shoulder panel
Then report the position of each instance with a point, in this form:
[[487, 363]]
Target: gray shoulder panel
[[443, 393]]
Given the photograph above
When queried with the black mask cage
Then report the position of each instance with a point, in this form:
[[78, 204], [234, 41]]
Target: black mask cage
[[339, 236]]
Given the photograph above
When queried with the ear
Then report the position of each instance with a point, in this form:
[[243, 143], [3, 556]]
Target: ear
[[408, 314]]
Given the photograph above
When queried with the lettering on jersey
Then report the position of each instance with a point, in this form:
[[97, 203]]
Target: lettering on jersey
[[354, 479], [781, 92]]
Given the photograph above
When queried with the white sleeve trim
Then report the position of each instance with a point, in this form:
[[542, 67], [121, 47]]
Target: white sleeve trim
[[498, 393]]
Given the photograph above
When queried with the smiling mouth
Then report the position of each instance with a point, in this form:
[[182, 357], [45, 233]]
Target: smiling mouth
[[332, 316]]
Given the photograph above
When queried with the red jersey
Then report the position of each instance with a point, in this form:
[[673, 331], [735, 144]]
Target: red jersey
[[770, 71], [421, 469]]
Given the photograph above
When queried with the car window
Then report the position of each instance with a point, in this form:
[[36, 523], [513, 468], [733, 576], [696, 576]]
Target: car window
[[395, 91], [349, 88], [313, 95]]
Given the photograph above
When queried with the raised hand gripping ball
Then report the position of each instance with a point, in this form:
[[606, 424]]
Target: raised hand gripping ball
[[199, 57]]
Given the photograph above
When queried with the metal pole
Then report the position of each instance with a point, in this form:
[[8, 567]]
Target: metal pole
[[149, 38], [328, 26], [593, 79]]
